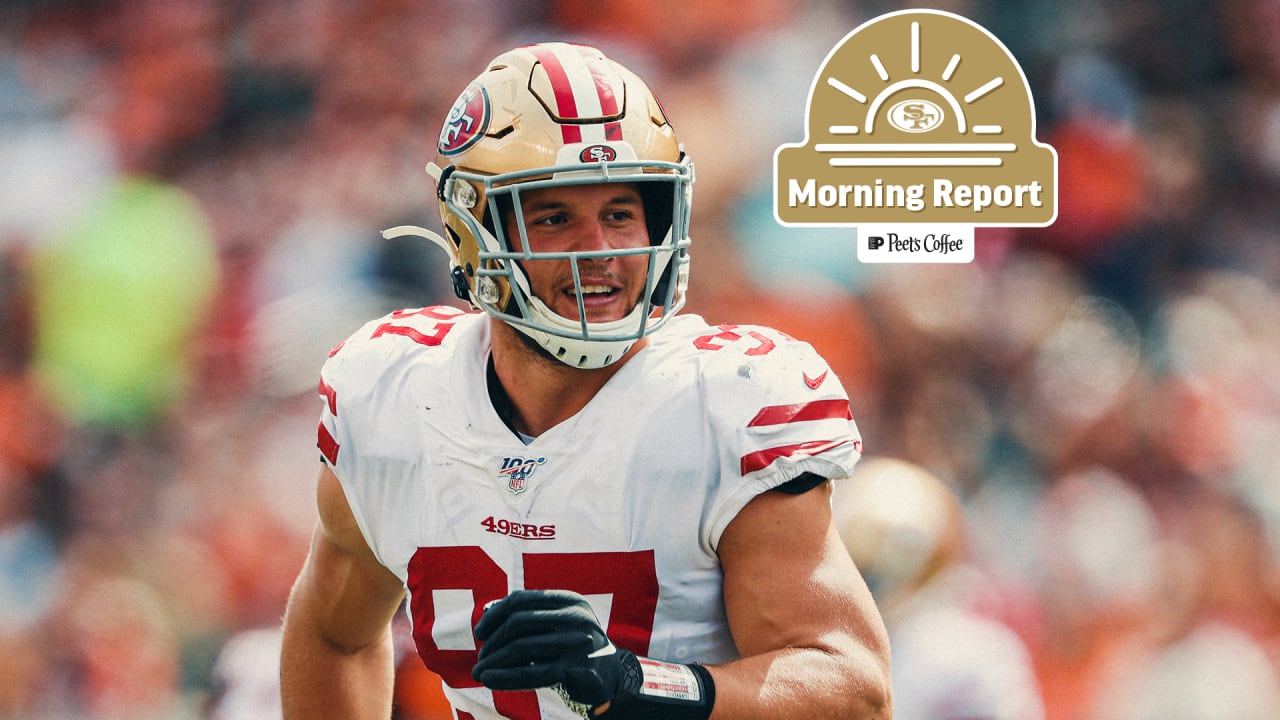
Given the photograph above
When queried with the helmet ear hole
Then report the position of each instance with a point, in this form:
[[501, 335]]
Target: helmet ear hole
[[457, 275], [460, 287], [659, 214], [658, 297], [658, 204], [453, 235]]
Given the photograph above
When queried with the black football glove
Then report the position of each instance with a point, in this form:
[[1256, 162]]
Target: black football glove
[[551, 638]]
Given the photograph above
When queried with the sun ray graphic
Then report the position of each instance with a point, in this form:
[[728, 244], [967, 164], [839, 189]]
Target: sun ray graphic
[[925, 154]]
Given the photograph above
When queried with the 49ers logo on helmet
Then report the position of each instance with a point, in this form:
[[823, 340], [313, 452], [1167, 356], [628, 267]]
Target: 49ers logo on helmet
[[598, 154], [467, 121]]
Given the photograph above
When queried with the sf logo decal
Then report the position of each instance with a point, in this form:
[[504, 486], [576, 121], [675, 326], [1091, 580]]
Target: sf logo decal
[[915, 116], [467, 121], [598, 154]]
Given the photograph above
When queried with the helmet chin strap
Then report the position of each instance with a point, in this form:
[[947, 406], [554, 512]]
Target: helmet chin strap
[[578, 352]]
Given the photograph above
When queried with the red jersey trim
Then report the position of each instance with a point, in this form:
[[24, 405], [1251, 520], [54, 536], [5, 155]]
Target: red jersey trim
[[799, 412], [327, 444], [330, 395], [761, 459]]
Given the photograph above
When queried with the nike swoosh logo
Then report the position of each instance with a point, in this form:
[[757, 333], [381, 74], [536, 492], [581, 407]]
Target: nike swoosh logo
[[813, 383], [605, 651]]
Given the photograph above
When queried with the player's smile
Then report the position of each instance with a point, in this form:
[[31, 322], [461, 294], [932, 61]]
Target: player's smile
[[600, 294], [602, 300]]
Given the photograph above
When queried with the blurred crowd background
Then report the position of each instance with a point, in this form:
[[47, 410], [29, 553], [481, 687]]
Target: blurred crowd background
[[191, 193]]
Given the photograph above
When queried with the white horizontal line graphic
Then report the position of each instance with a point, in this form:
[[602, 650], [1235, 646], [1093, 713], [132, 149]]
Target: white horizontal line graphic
[[915, 147], [915, 162]]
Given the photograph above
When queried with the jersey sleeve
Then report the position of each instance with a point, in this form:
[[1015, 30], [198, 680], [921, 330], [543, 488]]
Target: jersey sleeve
[[776, 414], [366, 420]]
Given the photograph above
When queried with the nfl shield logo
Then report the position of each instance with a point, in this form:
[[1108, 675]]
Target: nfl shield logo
[[516, 471]]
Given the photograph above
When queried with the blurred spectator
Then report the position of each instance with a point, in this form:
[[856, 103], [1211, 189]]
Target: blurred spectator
[[117, 296], [120, 644], [1214, 673], [245, 678], [28, 555], [1100, 156], [1097, 587], [906, 531]]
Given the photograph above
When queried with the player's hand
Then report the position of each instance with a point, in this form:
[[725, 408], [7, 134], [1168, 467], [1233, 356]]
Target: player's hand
[[544, 638]]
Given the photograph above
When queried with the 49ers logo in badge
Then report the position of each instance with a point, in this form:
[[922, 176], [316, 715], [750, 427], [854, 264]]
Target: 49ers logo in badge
[[598, 154], [468, 119], [915, 116]]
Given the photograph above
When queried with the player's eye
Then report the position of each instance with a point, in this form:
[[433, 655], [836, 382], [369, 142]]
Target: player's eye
[[549, 219]]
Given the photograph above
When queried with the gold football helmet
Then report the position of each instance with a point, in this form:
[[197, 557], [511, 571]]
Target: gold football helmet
[[559, 114], [901, 524]]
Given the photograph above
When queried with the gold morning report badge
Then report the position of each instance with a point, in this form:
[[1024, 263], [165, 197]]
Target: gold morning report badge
[[920, 127]]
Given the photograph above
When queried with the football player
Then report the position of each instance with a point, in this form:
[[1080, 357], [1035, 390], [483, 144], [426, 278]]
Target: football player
[[596, 507]]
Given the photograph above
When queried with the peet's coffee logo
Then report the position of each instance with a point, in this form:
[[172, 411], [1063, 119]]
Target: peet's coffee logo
[[918, 116]]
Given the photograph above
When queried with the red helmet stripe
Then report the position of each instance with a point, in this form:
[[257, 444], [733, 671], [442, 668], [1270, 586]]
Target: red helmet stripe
[[566, 106], [601, 74], [600, 78], [584, 87]]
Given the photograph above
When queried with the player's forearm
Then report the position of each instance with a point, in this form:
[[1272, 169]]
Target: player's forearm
[[320, 680], [803, 684]]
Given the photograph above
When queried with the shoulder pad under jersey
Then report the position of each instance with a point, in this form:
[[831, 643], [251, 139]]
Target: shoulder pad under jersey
[[775, 404], [363, 378]]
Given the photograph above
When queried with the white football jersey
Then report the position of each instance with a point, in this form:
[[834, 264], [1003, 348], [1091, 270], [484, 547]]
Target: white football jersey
[[624, 502]]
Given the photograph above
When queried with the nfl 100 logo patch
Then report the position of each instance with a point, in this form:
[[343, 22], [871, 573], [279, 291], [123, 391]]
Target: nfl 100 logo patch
[[516, 471]]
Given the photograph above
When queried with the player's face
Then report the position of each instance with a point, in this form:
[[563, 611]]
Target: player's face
[[584, 218]]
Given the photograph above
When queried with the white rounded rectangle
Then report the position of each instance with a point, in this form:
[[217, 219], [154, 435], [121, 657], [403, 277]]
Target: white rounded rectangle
[[915, 243]]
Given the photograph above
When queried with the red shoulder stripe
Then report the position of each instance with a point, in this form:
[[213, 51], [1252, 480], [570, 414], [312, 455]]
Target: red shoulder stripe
[[798, 412], [761, 459], [327, 444], [330, 394]]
